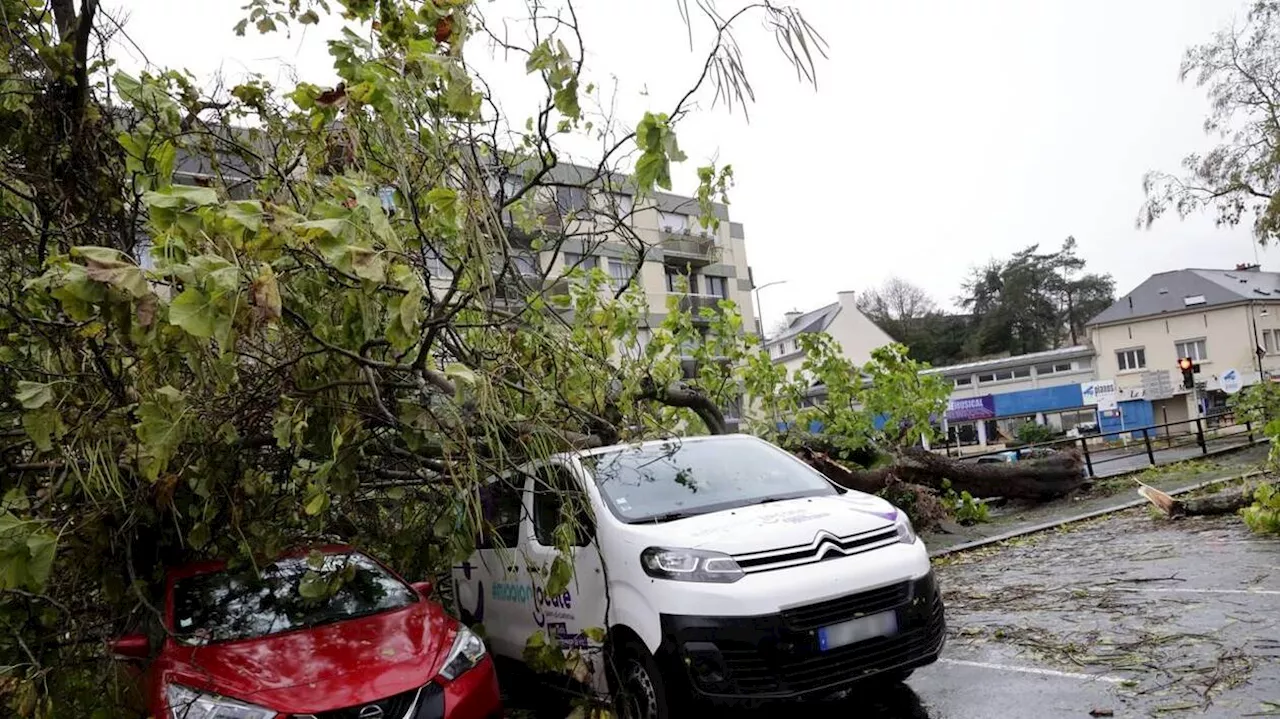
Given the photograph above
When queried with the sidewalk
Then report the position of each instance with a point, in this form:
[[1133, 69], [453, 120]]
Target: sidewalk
[[1107, 493]]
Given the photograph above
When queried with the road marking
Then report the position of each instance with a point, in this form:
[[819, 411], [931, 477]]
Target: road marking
[[1184, 590], [1034, 670]]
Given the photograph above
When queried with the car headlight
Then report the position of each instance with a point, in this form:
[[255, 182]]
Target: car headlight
[[906, 533], [466, 652], [188, 703], [690, 565]]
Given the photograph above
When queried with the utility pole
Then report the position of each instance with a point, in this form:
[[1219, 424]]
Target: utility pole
[[759, 309]]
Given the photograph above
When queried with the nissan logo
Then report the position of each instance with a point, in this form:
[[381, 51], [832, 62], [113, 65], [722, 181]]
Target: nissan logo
[[373, 711]]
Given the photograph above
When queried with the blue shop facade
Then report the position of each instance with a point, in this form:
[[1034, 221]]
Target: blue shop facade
[[996, 418]]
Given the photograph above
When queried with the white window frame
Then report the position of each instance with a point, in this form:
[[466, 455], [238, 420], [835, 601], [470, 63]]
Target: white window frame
[[1199, 349], [1139, 357], [586, 263], [1269, 341], [619, 272], [964, 381]]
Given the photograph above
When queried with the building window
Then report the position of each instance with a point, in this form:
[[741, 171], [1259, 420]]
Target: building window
[[716, 286], [436, 267], [526, 265], [1064, 367], [1022, 372], [1195, 349], [964, 381], [586, 262], [984, 378], [673, 223], [620, 273], [1043, 369], [1131, 359], [1269, 342]]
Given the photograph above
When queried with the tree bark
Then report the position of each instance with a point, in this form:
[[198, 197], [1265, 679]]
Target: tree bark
[[1038, 479], [679, 394], [1226, 502]]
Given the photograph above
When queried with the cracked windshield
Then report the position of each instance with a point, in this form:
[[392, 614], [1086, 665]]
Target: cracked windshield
[[591, 359]]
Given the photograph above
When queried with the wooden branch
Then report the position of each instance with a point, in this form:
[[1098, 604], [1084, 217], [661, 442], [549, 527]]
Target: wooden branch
[[1225, 502], [679, 394]]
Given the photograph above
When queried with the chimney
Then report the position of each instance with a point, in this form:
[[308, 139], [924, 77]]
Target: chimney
[[1248, 267], [846, 298], [792, 316]]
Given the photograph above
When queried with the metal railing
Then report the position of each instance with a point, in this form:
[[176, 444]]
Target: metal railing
[[1134, 448]]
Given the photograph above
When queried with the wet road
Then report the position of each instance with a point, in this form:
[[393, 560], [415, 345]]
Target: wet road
[[1140, 617]]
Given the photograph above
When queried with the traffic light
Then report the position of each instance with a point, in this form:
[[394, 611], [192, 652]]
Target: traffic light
[[1188, 372]]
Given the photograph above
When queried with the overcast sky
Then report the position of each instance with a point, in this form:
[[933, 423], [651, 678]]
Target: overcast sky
[[941, 134]]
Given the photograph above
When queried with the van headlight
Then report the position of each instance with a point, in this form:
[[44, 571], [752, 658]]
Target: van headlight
[[188, 703], [466, 652], [906, 533], [690, 565]]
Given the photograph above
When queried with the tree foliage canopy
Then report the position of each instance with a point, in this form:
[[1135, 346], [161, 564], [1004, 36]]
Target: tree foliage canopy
[[241, 319], [1033, 301], [1240, 71]]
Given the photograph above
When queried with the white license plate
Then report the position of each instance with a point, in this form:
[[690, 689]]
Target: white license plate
[[884, 624]]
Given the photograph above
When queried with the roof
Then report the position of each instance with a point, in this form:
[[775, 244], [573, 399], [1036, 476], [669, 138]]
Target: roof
[[1014, 361], [1191, 289], [811, 321]]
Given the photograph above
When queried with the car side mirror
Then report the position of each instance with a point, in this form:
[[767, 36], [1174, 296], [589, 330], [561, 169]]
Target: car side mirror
[[424, 587], [131, 646]]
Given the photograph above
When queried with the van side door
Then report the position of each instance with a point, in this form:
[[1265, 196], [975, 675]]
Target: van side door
[[493, 587], [563, 520]]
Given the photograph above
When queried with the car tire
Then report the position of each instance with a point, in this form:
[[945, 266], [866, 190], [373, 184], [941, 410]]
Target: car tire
[[639, 691]]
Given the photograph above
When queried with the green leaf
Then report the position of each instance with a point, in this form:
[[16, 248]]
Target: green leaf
[[560, 574], [566, 99], [595, 634], [367, 264], [215, 273], [112, 267], [309, 18], [247, 214], [33, 395], [317, 503], [194, 312], [313, 586], [460, 372], [161, 428], [335, 227], [43, 426], [42, 547]]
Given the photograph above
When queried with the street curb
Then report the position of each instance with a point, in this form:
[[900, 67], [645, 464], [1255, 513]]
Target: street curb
[[1013, 534]]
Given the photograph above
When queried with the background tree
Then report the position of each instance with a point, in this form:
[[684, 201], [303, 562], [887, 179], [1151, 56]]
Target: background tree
[[340, 330], [1033, 301], [909, 315], [1240, 71]]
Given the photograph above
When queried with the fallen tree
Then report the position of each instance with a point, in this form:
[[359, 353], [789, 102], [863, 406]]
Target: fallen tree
[[1229, 501], [1037, 479]]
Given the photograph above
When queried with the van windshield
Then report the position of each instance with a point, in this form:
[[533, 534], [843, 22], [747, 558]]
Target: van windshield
[[674, 480]]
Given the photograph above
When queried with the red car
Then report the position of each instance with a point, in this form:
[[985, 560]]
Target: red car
[[331, 634]]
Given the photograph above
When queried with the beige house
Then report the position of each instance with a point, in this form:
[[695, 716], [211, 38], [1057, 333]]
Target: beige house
[[1224, 320], [857, 334]]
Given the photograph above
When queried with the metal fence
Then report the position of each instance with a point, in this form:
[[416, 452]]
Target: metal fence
[[1134, 448]]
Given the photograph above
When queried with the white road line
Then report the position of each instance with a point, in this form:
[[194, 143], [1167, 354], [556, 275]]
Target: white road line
[[1183, 590], [1034, 670]]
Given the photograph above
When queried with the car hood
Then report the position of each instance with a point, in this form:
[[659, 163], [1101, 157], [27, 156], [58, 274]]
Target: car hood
[[784, 523], [327, 667]]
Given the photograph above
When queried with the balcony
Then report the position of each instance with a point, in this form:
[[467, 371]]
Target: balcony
[[693, 304], [682, 248], [547, 221]]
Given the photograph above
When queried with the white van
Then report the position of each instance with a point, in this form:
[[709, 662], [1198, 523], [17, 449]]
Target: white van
[[723, 568]]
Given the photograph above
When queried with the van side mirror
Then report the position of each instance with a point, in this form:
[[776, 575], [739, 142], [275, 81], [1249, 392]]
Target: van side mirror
[[131, 646], [424, 587]]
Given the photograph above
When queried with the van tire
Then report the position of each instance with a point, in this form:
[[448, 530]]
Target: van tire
[[639, 691]]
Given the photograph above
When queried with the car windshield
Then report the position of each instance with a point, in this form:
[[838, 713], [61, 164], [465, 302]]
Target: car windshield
[[290, 594], [673, 480]]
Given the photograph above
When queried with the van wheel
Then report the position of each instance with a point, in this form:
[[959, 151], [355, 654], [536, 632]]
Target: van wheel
[[638, 689]]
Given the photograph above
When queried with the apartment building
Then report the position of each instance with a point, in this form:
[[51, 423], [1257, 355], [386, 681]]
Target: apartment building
[[856, 334], [1226, 321]]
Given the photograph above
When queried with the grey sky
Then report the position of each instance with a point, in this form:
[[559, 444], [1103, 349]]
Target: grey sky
[[942, 133]]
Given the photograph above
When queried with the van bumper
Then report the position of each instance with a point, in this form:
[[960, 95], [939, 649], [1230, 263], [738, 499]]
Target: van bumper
[[777, 656]]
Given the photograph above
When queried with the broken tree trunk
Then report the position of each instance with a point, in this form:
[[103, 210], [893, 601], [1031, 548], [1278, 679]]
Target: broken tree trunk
[[1037, 479], [1226, 502]]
